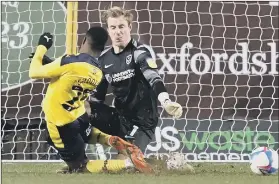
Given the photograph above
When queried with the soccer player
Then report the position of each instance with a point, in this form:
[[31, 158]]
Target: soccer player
[[73, 78], [129, 67]]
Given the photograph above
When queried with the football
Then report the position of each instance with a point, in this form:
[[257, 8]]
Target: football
[[264, 161]]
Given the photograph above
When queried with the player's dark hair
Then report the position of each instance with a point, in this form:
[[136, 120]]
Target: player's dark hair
[[99, 37]]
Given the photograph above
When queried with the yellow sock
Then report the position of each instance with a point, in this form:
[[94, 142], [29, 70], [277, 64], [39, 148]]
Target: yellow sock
[[97, 166], [99, 137]]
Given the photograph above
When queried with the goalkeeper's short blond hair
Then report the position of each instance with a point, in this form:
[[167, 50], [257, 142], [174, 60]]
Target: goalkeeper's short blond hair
[[115, 12]]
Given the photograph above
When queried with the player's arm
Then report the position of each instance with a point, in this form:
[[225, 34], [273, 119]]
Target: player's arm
[[97, 97], [144, 56], [37, 70], [99, 94], [46, 59]]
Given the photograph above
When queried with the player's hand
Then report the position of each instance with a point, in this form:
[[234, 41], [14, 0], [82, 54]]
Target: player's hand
[[173, 108], [46, 59], [46, 40]]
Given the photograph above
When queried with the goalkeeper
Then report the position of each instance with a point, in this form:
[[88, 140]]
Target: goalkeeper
[[130, 69], [73, 78]]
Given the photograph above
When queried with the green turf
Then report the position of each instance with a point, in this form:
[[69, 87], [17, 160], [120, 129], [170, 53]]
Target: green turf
[[38, 173]]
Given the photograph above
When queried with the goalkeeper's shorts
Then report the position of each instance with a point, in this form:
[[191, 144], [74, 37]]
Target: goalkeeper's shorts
[[109, 121], [69, 140]]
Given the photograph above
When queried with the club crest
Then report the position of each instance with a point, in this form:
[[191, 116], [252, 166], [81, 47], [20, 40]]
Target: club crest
[[129, 59], [108, 77]]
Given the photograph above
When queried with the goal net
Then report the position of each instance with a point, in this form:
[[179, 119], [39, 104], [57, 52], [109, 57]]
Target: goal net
[[219, 60]]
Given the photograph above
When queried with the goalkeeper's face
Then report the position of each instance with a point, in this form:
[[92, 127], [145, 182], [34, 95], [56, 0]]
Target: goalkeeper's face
[[119, 31]]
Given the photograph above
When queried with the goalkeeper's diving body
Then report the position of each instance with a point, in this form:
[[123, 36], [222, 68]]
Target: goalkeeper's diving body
[[73, 78], [129, 67]]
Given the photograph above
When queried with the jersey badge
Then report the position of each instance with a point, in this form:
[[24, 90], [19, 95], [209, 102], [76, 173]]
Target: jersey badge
[[129, 59], [151, 63], [108, 77]]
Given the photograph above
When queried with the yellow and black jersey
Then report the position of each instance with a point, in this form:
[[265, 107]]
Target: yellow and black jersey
[[73, 78]]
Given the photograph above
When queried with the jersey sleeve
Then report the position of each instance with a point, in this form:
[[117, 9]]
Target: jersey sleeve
[[39, 71], [100, 92], [144, 56]]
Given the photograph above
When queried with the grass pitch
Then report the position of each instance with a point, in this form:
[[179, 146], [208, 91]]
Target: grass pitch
[[205, 173]]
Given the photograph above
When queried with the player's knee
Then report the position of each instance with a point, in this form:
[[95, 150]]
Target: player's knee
[[74, 144], [69, 132], [74, 151]]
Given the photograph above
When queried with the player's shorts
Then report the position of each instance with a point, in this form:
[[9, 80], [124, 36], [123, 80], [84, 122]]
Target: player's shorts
[[141, 138], [109, 121], [69, 140]]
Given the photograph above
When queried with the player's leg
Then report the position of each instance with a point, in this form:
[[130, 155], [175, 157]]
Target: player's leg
[[146, 121], [69, 144], [134, 159], [70, 139], [147, 117], [92, 135], [107, 120], [104, 117], [143, 138]]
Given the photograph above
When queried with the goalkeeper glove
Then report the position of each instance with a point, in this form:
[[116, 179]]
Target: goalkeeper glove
[[46, 40], [46, 59], [172, 108]]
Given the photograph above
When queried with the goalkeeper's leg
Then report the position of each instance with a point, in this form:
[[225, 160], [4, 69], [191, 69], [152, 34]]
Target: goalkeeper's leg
[[132, 152], [106, 119], [127, 149]]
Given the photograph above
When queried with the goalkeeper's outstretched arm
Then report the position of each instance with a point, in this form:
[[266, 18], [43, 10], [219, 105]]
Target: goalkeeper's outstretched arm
[[147, 64]]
